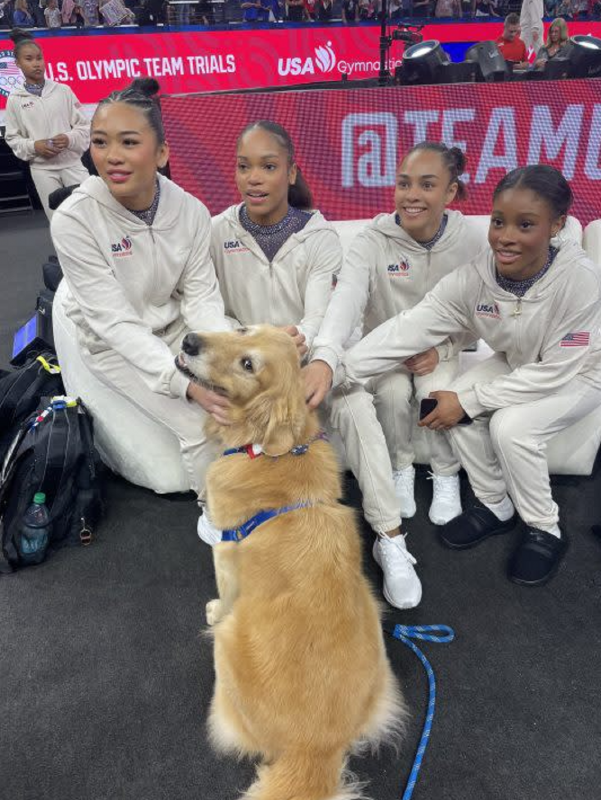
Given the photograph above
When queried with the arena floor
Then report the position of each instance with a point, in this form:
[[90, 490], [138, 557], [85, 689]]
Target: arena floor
[[106, 679]]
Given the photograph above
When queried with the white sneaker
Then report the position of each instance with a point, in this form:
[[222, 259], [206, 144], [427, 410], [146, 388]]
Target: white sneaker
[[206, 530], [446, 499], [404, 483], [402, 588]]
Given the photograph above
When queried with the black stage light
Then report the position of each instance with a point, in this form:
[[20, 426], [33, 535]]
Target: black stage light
[[585, 57], [423, 62], [490, 60], [556, 69]]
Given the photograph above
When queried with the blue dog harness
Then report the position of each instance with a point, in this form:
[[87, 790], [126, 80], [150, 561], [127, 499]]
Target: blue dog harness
[[254, 451], [244, 530]]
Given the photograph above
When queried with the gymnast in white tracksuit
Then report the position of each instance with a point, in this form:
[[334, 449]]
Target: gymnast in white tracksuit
[[538, 307], [45, 124], [275, 258], [390, 267], [134, 248]]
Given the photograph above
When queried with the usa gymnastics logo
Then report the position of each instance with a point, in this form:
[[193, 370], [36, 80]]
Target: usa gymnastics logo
[[233, 246], [490, 310], [400, 270], [11, 76], [122, 248], [324, 60]]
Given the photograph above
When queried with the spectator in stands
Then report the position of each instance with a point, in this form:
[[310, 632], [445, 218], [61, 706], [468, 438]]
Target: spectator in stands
[[448, 8], [350, 11], [255, 10], [6, 13], [390, 267], [130, 319], [565, 9], [509, 43], [536, 300], [486, 8], [89, 12], [369, 10], [295, 10], [325, 10], [287, 252], [22, 18], [310, 10], [45, 124], [53, 15], [557, 45]]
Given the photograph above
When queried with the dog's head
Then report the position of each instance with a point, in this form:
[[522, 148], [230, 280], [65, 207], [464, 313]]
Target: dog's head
[[258, 370]]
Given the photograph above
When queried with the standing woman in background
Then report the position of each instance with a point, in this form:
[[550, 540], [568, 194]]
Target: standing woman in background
[[275, 257], [45, 124]]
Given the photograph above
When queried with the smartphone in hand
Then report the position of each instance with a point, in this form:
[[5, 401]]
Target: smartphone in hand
[[427, 406]]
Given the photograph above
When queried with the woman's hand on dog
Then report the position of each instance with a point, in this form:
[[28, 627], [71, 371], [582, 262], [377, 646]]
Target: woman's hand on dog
[[297, 337], [213, 403], [423, 363], [318, 382]]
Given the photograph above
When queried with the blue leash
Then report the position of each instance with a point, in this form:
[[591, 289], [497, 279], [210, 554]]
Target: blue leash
[[427, 633]]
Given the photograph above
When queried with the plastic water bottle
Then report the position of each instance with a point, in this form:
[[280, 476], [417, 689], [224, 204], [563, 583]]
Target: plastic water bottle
[[35, 531]]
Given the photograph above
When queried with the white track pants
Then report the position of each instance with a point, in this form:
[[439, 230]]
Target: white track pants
[[47, 180], [505, 452], [376, 424], [186, 420]]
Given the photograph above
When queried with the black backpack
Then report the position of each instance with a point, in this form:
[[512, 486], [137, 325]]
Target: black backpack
[[21, 390], [51, 452]]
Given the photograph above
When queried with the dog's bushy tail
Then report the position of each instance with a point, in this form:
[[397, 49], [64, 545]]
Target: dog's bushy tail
[[304, 775]]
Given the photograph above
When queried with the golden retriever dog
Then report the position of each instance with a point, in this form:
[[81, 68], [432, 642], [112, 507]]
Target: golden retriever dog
[[302, 676]]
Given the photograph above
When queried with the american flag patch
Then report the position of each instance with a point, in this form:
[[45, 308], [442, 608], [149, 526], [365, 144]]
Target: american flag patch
[[578, 339]]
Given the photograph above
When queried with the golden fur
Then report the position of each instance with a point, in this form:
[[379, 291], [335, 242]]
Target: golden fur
[[302, 675]]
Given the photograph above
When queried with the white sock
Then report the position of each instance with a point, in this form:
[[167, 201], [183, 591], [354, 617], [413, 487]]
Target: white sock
[[553, 529], [503, 510]]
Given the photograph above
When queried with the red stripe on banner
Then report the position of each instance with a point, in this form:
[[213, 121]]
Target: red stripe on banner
[[98, 62], [348, 142]]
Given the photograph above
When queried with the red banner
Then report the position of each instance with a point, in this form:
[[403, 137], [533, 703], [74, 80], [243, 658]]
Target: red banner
[[199, 61], [348, 142]]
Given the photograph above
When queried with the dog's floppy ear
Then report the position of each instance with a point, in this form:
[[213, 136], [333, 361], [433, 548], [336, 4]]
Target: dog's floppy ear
[[279, 434], [279, 418]]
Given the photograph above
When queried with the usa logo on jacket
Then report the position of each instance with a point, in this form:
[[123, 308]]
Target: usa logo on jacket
[[233, 246], [400, 270], [123, 248], [490, 310]]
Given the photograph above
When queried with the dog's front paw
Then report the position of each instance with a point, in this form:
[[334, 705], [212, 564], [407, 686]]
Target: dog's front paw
[[214, 612]]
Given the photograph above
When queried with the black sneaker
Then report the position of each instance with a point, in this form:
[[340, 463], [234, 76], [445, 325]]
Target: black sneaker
[[472, 527], [537, 558]]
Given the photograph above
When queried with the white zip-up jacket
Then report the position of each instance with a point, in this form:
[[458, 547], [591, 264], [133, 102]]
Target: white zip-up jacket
[[386, 272], [549, 337], [136, 288], [294, 289], [29, 118]]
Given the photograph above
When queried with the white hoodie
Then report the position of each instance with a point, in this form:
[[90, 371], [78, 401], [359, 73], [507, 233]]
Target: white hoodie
[[386, 272], [294, 289], [29, 118], [136, 288], [549, 336]]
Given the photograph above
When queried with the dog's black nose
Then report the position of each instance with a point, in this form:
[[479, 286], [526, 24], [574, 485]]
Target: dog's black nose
[[192, 344]]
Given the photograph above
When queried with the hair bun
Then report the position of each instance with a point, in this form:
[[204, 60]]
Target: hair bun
[[146, 86], [459, 158], [17, 35]]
